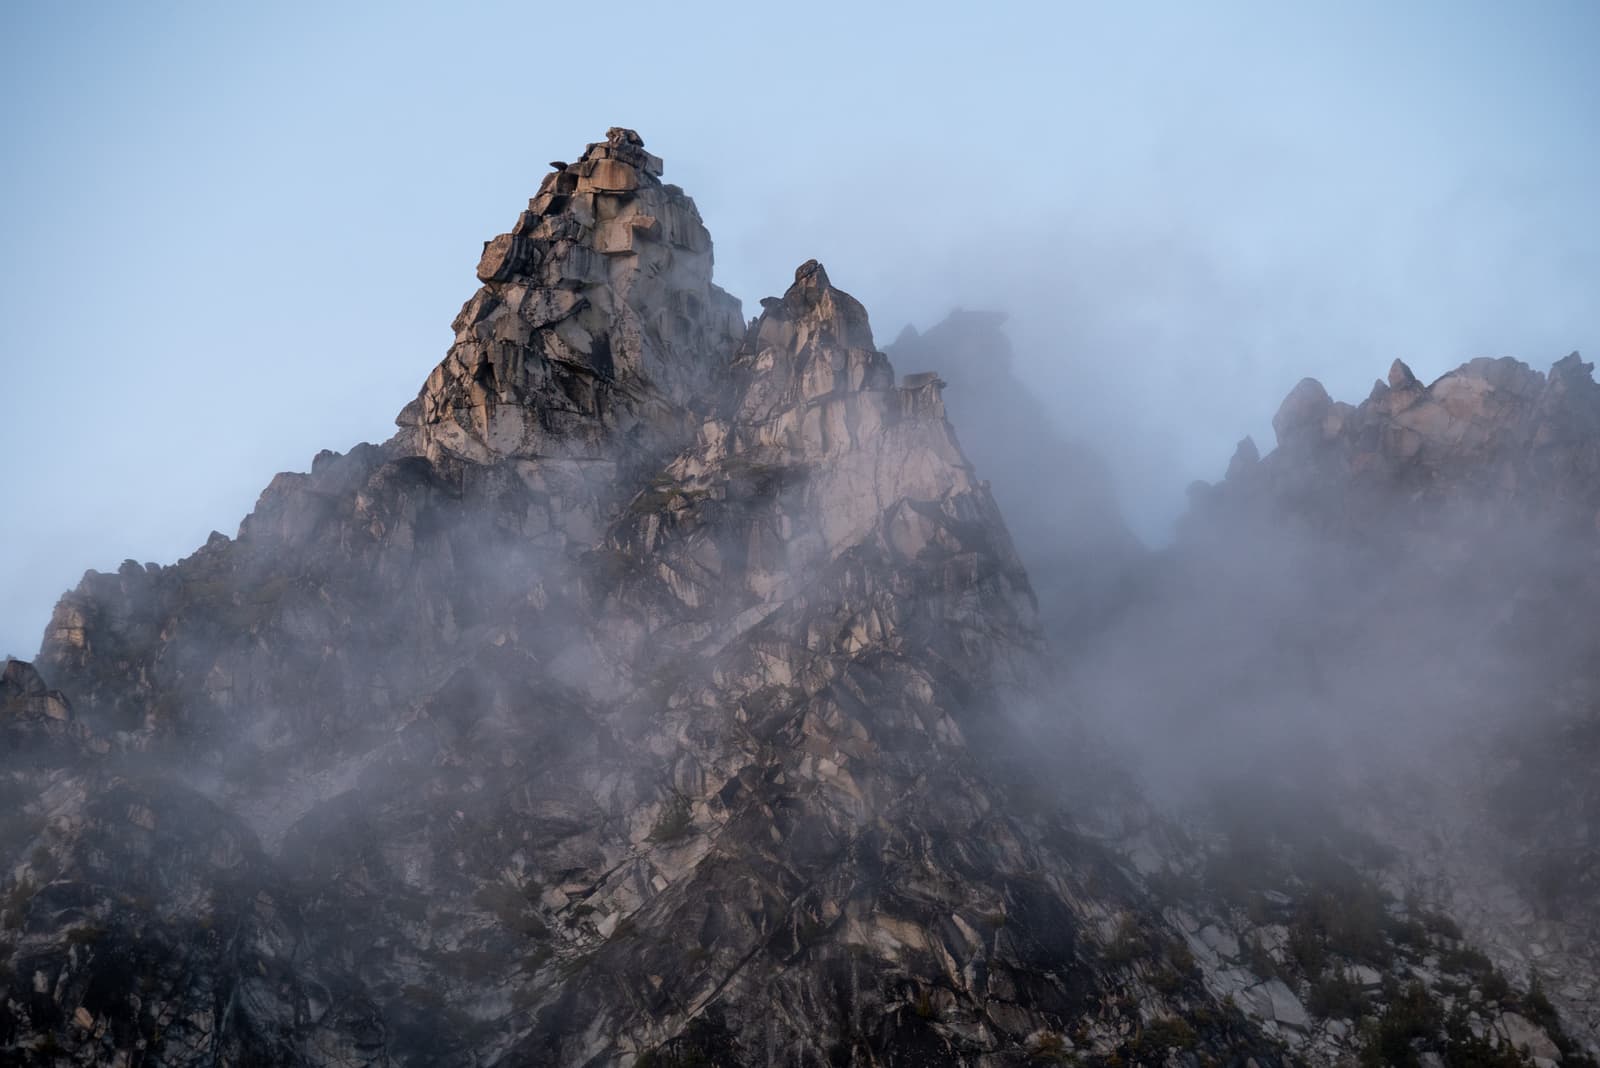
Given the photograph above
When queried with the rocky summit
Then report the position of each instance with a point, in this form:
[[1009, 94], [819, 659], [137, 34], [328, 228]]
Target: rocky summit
[[669, 690]]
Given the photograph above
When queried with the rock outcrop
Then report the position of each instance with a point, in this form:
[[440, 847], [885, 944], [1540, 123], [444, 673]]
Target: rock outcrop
[[1493, 435], [597, 322], [1408, 584], [651, 697], [669, 690]]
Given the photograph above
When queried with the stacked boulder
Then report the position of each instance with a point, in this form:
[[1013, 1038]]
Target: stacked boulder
[[597, 318]]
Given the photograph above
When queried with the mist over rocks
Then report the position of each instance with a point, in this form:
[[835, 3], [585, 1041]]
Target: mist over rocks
[[1386, 625], [616, 710], [1056, 492], [1493, 432], [672, 689], [31, 713]]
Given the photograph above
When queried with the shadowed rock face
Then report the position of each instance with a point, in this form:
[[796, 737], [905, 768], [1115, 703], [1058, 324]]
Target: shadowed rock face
[[1409, 586], [1056, 492], [669, 691], [647, 698]]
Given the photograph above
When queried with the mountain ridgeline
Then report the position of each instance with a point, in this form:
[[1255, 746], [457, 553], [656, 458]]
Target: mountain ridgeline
[[674, 689]]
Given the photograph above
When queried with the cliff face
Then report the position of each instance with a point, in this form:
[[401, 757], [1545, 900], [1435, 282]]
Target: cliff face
[[1479, 493], [669, 691], [1390, 619], [642, 699], [597, 326]]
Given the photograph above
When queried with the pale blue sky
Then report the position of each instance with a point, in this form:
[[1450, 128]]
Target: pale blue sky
[[236, 236]]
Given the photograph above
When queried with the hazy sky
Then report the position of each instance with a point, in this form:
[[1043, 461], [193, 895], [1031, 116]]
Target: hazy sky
[[235, 236]]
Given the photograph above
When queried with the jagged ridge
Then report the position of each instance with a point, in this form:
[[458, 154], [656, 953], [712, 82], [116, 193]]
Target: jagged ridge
[[636, 699]]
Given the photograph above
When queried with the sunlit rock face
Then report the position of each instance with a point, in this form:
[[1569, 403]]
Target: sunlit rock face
[[1494, 435], [650, 697], [597, 321], [669, 690]]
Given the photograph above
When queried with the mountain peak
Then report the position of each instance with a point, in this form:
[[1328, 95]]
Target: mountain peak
[[1490, 430], [1302, 411], [814, 312], [596, 315], [671, 691], [811, 274], [1400, 376]]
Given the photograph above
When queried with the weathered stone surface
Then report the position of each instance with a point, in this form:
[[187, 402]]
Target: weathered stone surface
[[669, 690], [503, 257], [1524, 1035], [32, 714], [569, 345], [1302, 414], [650, 695]]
